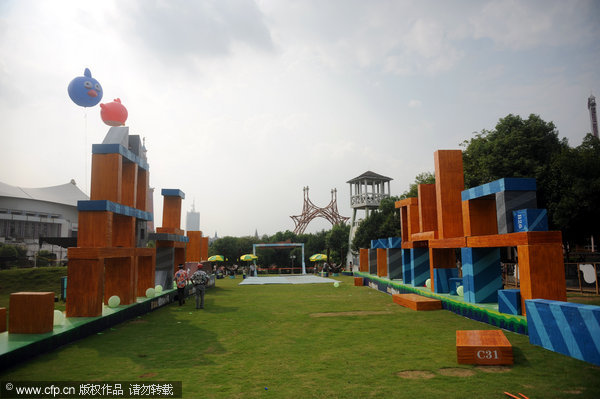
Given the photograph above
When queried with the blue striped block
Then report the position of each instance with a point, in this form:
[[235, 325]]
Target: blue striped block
[[509, 301], [419, 266], [441, 280], [569, 328], [497, 186], [406, 268], [394, 263], [172, 192], [383, 243], [109, 206], [454, 283], [394, 242], [482, 274], [530, 220], [509, 201], [119, 149], [375, 244]]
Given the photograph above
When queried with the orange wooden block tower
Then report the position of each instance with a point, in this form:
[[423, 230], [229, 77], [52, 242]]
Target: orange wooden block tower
[[197, 247], [110, 257], [170, 241], [445, 217]]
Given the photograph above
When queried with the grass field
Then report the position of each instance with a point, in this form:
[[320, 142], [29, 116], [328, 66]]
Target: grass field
[[307, 341]]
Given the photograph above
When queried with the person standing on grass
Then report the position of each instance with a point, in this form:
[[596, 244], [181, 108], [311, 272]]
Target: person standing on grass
[[181, 278], [200, 280]]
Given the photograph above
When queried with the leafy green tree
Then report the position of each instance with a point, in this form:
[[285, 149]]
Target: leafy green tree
[[515, 148], [574, 190], [337, 242], [421, 178]]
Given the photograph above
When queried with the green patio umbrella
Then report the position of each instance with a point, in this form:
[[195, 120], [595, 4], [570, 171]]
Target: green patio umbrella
[[216, 258], [248, 257], [318, 258]]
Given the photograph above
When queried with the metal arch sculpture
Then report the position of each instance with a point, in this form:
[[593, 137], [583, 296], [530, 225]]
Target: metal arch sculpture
[[310, 211]]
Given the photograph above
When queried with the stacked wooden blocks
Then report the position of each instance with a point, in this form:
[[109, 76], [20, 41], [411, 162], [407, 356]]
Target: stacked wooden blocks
[[110, 258]]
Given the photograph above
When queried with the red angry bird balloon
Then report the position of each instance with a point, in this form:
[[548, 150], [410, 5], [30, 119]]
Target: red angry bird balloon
[[114, 113]]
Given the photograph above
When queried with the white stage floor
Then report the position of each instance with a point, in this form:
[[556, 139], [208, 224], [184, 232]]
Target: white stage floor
[[303, 279]]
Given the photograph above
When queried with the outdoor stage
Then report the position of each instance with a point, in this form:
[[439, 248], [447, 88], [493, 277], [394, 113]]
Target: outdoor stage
[[292, 279], [483, 312]]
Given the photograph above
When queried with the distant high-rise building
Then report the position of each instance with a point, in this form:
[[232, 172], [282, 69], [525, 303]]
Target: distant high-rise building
[[593, 117], [192, 220]]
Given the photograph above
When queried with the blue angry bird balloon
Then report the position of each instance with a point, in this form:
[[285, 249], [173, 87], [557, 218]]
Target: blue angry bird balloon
[[85, 91]]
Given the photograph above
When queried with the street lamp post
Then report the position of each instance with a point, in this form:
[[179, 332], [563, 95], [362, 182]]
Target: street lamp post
[[292, 257]]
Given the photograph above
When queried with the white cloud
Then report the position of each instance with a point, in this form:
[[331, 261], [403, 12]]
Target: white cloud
[[414, 103]]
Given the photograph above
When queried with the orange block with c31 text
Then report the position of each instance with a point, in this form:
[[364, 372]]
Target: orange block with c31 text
[[490, 347]]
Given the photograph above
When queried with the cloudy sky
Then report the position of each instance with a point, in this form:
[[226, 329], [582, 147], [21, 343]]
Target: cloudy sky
[[243, 103]]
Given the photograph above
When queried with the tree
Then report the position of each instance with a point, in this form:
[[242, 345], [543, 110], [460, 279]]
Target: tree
[[574, 192], [515, 148], [337, 242], [568, 179], [421, 178]]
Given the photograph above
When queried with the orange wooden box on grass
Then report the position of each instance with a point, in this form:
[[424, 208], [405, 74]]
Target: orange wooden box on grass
[[417, 302], [2, 319], [358, 281], [31, 312], [490, 347]]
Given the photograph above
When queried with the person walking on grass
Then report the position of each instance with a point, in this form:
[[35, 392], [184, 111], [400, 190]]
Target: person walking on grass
[[181, 278], [200, 280]]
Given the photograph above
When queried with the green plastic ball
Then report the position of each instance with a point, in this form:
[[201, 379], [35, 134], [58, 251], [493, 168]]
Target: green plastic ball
[[460, 290], [150, 293], [59, 318], [158, 289], [336, 284], [114, 301], [428, 283]]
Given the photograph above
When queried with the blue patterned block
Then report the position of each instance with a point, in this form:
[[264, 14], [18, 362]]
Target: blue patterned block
[[109, 206], [530, 220], [482, 274], [394, 242], [509, 201], [375, 244], [441, 280], [406, 266], [419, 264], [569, 328], [497, 186], [169, 192], [383, 243], [119, 149], [454, 283], [509, 301], [394, 263]]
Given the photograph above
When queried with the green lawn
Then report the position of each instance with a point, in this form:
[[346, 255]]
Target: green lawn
[[307, 341]]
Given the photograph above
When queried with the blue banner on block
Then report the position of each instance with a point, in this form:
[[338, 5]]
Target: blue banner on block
[[530, 220], [572, 329]]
